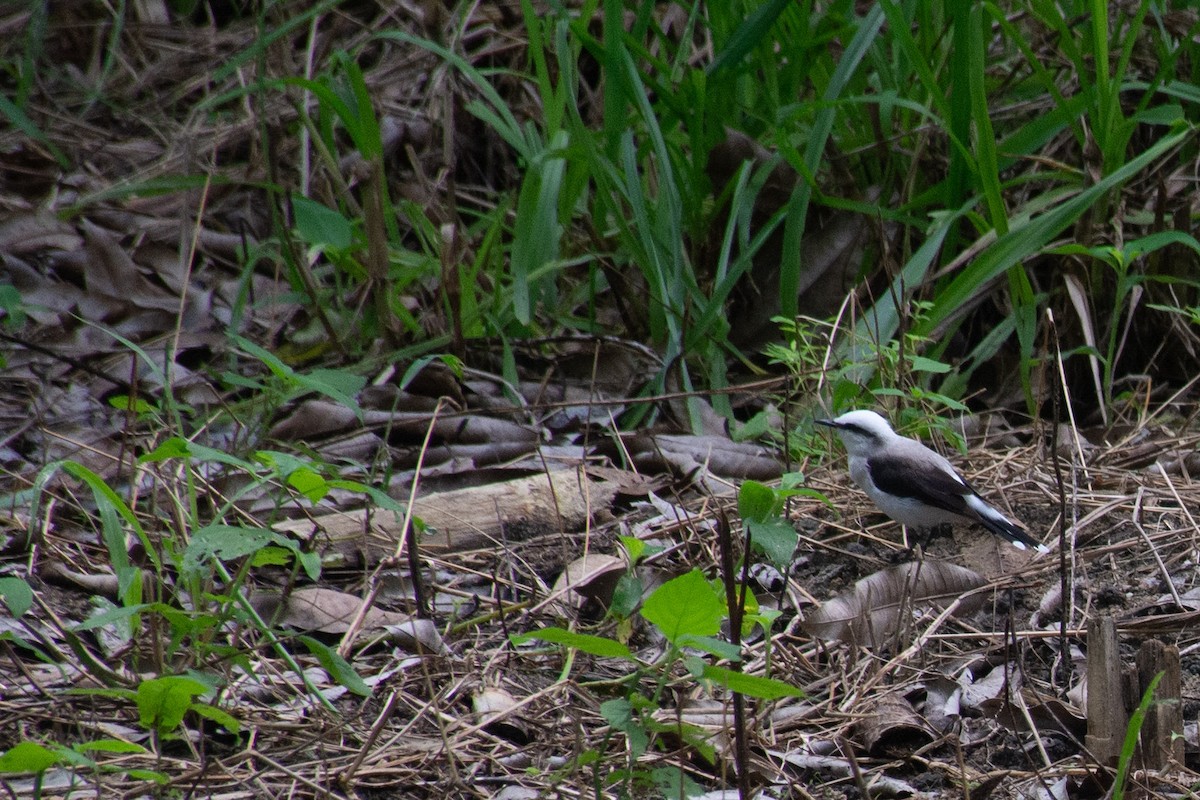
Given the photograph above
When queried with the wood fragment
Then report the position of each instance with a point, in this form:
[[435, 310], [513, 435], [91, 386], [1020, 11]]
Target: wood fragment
[[1162, 730], [474, 518], [1106, 713]]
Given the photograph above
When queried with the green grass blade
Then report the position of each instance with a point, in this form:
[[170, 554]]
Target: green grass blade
[[21, 121], [797, 207], [1029, 238]]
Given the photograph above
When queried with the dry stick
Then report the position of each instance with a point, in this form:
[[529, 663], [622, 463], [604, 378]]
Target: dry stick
[[1064, 581], [348, 774], [321, 791], [912, 650], [1019, 701], [860, 780], [1182, 506], [735, 603], [407, 541], [1137, 523]]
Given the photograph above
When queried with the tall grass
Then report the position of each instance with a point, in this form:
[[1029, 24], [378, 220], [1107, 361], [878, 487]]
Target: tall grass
[[992, 139]]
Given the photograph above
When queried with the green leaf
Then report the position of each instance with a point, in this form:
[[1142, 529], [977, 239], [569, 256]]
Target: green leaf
[[162, 702], [593, 645], [634, 547], [776, 538], [148, 775], [537, 230], [226, 542], [924, 364], [309, 483], [626, 596], [108, 746], [338, 667], [749, 35], [28, 757], [222, 718], [16, 594], [687, 605], [751, 685], [272, 556], [177, 447], [756, 501], [1033, 234], [711, 645], [336, 384], [619, 713], [21, 121], [318, 224]]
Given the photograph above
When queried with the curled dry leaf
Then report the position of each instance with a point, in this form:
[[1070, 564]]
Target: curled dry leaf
[[892, 726], [494, 709], [103, 584], [313, 608], [718, 454], [1046, 714], [943, 703], [988, 683], [593, 576], [869, 614], [313, 419]]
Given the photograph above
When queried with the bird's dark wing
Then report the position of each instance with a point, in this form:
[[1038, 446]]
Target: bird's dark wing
[[923, 480]]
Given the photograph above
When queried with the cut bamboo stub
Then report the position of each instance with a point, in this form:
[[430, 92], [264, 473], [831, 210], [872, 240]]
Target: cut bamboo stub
[[1113, 691], [1106, 715]]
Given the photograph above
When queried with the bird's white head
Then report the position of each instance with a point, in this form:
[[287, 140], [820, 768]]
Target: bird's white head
[[862, 431]]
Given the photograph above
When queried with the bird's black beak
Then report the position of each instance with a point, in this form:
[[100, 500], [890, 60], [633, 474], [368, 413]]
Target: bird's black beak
[[828, 423]]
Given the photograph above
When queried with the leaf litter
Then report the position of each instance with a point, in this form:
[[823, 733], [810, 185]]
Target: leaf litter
[[952, 697]]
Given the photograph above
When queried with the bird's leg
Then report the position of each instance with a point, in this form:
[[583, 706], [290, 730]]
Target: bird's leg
[[920, 541], [911, 543]]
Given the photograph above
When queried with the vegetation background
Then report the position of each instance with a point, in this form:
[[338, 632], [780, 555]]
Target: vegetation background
[[253, 251]]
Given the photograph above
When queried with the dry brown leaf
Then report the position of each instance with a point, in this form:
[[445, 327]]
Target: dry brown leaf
[[593, 576], [314, 608], [112, 273], [313, 419], [494, 708], [687, 455], [869, 614], [103, 584], [29, 234], [1046, 714], [890, 726]]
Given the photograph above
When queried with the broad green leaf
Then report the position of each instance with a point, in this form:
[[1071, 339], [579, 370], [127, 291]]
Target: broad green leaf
[[108, 746], [619, 713], [687, 605], [711, 645], [627, 595], [16, 594], [309, 483], [28, 757], [751, 685], [776, 538], [584, 642], [634, 547], [222, 718], [162, 702], [225, 542], [319, 225], [755, 501]]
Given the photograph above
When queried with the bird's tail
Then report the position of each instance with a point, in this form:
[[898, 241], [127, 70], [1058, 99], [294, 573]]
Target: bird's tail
[[1000, 525]]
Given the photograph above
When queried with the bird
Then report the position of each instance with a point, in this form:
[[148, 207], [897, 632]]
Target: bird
[[912, 484]]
